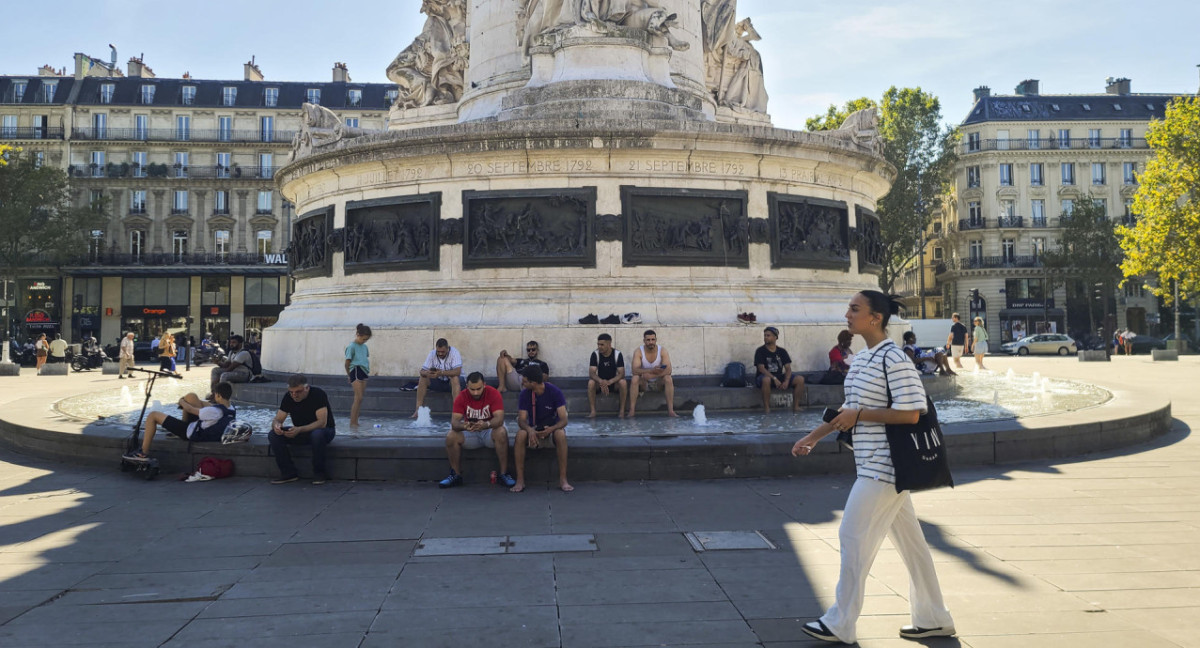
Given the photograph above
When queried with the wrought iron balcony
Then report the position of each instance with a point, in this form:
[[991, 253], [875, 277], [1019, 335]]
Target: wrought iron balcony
[[182, 135], [170, 259], [1051, 144], [1008, 222], [172, 172], [979, 263], [13, 133], [967, 224], [1038, 221]]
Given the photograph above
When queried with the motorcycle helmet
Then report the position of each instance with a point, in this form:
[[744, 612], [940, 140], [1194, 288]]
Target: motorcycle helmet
[[237, 432]]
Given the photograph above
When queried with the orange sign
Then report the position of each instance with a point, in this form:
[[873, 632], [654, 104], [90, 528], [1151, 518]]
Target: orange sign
[[154, 311]]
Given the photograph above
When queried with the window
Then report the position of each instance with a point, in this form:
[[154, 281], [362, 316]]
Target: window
[[313, 95], [224, 129], [221, 202], [147, 95], [1068, 206], [1037, 175], [95, 199], [137, 243], [141, 127], [1068, 173], [180, 204], [975, 212], [187, 95], [1006, 175], [262, 290], [106, 92], [267, 125], [229, 96], [1134, 289], [19, 88], [975, 251], [95, 245], [39, 158], [1102, 203], [8, 126], [181, 164], [179, 245], [972, 176], [393, 95], [271, 97], [1008, 249], [138, 160], [1038, 245], [352, 122], [137, 201], [1064, 138], [263, 241], [49, 88], [100, 125], [938, 254], [264, 202], [1001, 140], [40, 123], [1093, 138], [1097, 173], [221, 243], [97, 164], [354, 98], [1037, 212], [223, 164], [1035, 139], [266, 165], [1008, 208], [156, 291], [1129, 173], [1126, 139], [214, 291], [1024, 289], [183, 128]]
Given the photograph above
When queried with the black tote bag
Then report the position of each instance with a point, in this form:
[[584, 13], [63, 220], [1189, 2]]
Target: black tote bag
[[918, 449]]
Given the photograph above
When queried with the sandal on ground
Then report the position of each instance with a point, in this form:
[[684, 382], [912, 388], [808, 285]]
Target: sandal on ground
[[818, 630]]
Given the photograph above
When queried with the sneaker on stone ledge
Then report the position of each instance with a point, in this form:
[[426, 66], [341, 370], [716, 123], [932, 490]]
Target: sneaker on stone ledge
[[589, 319], [451, 480], [631, 318], [611, 319], [506, 480]]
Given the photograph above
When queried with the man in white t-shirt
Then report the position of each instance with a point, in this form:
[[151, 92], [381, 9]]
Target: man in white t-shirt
[[442, 372], [202, 421], [126, 355]]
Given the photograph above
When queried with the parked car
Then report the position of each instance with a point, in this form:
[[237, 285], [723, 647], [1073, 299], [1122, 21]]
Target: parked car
[[1059, 343], [1188, 343], [1146, 343], [142, 351]]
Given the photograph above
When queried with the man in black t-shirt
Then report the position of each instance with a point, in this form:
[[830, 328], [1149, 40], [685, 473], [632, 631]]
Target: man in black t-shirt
[[606, 369], [957, 340], [775, 370], [312, 424], [508, 369]]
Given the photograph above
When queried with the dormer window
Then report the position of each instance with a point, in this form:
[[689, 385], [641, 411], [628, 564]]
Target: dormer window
[[1054, 107], [313, 96], [271, 97], [187, 95], [147, 95], [1117, 107], [106, 92], [1087, 107], [354, 98], [229, 96]]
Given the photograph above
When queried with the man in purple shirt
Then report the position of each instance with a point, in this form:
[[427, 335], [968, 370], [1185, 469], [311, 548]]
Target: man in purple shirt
[[542, 423]]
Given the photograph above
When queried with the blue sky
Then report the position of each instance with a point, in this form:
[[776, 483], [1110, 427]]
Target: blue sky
[[814, 53]]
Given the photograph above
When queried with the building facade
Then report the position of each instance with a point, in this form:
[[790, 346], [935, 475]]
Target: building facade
[[196, 237], [1026, 160]]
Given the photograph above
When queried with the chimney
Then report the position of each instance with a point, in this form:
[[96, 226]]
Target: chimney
[[341, 74], [982, 92], [138, 69], [49, 71], [1116, 86], [1028, 87], [251, 71]]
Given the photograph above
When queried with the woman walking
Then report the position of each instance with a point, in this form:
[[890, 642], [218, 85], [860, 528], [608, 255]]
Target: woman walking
[[874, 508], [979, 343], [358, 367], [166, 352], [42, 349]]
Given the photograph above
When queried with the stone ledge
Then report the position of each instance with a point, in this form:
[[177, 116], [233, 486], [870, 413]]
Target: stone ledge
[[54, 369], [10, 369], [1093, 356], [1159, 355]]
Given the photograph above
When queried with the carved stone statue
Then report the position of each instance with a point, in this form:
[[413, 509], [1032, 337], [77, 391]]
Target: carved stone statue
[[431, 70], [319, 126], [733, 67], [862, 128], [541, 17]]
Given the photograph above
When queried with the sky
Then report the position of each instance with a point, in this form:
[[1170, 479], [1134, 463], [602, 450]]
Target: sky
[[814, 53]]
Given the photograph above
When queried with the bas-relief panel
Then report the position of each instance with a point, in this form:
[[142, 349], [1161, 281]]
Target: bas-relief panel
[[310, 252], [685, 227], [808, 232], [527, 228], [868, 239], [392, 234]]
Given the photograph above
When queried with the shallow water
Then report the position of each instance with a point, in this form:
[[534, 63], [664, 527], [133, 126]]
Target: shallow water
[[981, 396]]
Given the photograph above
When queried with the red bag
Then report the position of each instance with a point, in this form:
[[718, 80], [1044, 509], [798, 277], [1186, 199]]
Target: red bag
[[215, 468]]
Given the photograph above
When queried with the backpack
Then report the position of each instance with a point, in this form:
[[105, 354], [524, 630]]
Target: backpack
[[215, 468], [735, 375], [255, 364]]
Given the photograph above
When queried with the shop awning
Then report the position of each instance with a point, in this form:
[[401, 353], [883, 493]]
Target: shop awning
[[1032, 312]]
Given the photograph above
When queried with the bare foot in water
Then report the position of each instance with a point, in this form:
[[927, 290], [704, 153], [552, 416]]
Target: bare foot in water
[[592, 415], [566, 488], [672, 414]]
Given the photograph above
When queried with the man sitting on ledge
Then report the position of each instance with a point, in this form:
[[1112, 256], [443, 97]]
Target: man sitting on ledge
[[542, 419], [202, 421], [774, 367], [442, 372], [508, 369], [312, 424]]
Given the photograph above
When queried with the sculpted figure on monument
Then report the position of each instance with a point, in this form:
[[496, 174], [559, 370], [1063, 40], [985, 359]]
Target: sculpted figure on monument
[[430, 71], [861, 127], [541, 17], [733, 67], [319, 126]]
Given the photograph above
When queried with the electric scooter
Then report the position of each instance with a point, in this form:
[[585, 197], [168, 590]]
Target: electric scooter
[[149, 468]]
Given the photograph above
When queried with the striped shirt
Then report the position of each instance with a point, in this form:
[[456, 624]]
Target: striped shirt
[[866, 389]]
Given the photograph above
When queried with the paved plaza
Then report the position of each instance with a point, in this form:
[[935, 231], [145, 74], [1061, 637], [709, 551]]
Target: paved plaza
[[1095, 551]]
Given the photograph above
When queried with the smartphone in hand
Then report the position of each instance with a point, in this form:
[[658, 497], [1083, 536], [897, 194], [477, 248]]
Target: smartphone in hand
[[829, 414]]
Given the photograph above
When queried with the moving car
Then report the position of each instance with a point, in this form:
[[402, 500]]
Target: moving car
[[1059, 343]]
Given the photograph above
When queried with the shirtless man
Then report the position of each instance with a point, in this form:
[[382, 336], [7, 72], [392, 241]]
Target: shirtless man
[[651, 372]]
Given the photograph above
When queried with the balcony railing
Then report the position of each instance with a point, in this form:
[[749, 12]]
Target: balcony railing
[[13, 133], [171, 172], [977, 263], [1075, 143], [967, 224], [1005, 222], [1038, 222], [182, 135], [169, 258]]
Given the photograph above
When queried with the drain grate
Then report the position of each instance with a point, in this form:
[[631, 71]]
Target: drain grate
[[505, 544], [726, 540]]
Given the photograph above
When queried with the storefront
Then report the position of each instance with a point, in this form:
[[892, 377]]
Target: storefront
[[264, 303], [149, 322], [153, 305], [39, 308], [1016, 323]]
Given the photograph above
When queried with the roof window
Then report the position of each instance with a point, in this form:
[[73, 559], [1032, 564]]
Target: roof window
[[1087, 107]]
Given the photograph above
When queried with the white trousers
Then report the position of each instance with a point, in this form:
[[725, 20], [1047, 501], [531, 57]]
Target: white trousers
[[873, 510]]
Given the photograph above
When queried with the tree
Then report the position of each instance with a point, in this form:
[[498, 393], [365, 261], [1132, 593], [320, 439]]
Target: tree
[[38, 224], [1090, 253], [923, 153], [1164, 243]]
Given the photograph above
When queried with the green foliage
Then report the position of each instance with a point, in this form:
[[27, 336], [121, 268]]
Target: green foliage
[[1090, 252], [38, 224], [1165, 242], [923, 153]]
